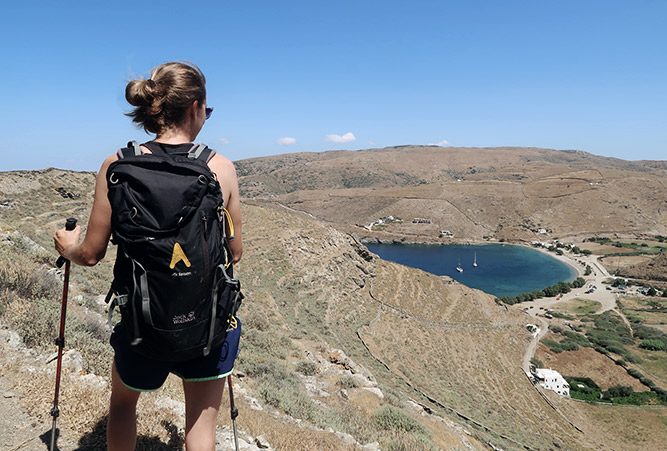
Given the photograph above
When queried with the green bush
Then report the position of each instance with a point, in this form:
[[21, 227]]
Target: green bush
[[347, 382], [392, 419], [306, 367], [556, 329], [288, 395], [577, 338], [635, 373], [583, 388], [653, 345], [553, 345], [618, 391], [561, 315]]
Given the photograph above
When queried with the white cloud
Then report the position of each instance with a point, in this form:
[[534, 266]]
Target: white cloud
[[346, 138], [286, 141], [224, 141], [443, 143]]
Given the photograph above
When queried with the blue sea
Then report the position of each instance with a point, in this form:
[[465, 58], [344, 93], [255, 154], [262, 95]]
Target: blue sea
[[503, 269]]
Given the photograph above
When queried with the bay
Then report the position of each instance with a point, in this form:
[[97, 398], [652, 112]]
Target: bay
[[503, 269]]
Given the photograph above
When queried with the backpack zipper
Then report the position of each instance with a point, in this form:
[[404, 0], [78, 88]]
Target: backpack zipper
[[205, 249]]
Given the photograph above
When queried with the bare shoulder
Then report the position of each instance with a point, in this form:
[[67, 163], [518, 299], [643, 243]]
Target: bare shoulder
[[223, 167]]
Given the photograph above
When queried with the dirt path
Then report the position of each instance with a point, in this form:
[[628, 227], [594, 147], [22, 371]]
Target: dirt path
[[18, 430], [532, 347]]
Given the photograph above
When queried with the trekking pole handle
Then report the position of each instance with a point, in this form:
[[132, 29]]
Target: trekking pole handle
[[70, 224]]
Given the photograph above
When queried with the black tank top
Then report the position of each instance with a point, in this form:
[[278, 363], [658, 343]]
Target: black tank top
[[169, 149]]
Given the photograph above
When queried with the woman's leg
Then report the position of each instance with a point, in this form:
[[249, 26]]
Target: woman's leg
[[122, 421], [202, 402]]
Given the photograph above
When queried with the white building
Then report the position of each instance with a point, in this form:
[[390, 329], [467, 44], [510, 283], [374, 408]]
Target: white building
[[552, 380]]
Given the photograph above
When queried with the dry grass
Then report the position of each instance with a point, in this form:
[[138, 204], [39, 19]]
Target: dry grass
[[304, 284], [578, 306]]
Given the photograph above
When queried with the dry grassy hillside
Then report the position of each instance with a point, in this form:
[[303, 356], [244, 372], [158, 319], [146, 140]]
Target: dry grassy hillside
[[474, 192], [654, 269], [335, 341]]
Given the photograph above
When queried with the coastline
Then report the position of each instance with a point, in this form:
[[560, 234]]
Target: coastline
[[572, 263]]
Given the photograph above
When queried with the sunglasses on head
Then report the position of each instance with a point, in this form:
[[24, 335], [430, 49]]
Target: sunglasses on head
[[209, 111]]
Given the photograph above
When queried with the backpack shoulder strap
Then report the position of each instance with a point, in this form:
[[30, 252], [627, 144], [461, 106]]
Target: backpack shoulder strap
[[132, 149], [201, 152]]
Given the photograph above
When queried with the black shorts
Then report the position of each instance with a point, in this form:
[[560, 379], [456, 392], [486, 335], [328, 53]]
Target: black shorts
[[140, 373]]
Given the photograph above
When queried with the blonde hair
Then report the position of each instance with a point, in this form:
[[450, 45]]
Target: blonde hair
[[161, 101]]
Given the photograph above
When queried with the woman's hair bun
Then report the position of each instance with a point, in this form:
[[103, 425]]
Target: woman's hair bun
[[162, 100], [141, 93]]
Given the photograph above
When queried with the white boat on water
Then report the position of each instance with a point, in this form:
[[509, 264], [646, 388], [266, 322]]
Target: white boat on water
[[474, 262], [459, 268]]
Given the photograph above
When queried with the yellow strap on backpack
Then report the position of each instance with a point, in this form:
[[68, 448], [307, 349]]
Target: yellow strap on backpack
[[231, 224]]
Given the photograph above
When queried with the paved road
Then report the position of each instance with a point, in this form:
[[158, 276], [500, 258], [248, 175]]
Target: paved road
[[606, 298]]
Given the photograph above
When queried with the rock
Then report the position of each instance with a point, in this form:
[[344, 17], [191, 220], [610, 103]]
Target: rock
[[346, 438], [373, 446], [262, 442], [11, 339], [8, 394], [78, 299], [375, 390], [359, 281], [94, 381], [240, 374], [177, 407], [343, 394], [73, 360]]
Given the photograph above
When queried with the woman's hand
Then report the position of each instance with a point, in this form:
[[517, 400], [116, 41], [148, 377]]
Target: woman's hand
[[66, 240]]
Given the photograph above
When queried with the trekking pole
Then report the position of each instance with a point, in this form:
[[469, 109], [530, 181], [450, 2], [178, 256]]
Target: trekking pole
[[70, 224], [233, 411]]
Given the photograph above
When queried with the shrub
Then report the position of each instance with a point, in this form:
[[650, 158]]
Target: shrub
[[561, 315], [653, 345], [347, 382], [392, 419], [567, 345], [306, 367], [618, 391], [553, 345], [635, 373], [288, 395], [583, 388], [577, 338], [578, 282]]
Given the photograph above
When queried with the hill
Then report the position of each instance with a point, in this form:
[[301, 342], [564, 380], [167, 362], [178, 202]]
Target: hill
[[654, 269], [476, 193], [340, 348]]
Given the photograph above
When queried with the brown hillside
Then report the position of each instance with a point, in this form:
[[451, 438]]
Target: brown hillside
[[473, 192], [654, 269], [312, 289]]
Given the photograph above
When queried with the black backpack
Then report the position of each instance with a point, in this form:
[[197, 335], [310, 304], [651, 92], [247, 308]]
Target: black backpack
[[173, 277]]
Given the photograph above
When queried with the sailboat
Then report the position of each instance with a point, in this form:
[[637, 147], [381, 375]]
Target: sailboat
[[474, 263], [459, 268]]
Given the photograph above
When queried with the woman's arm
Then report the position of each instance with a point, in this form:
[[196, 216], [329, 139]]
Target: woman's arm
[[226, 174], [94, 246]]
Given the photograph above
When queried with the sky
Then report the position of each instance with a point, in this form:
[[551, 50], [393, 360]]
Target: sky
[[294, 76]]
